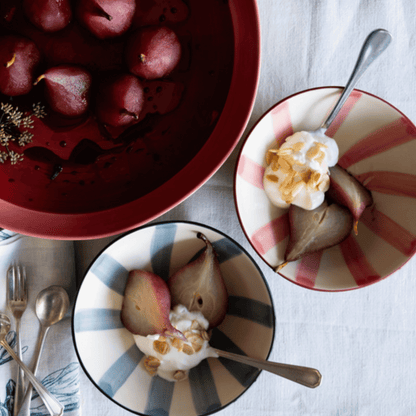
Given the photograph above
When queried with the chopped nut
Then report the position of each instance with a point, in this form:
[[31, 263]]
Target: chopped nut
[[162, 347], [151, 364], [196, 346], [177, 343], [205, 336], [187, 349], [180, 375], [272, 178], [196, 325]]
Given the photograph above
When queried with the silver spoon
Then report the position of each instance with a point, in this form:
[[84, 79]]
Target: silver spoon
[[306, 376], [54, 407], [375, 44], [52, 305]]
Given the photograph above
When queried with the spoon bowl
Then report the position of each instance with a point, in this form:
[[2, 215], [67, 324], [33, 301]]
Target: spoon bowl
[[5, 325], [52, 305]]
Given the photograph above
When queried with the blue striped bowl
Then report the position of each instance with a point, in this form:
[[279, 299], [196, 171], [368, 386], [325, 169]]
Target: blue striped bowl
[[106, 349]]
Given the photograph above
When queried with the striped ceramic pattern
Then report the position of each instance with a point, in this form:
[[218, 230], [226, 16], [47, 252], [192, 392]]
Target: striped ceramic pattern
[[107, 351], [377, 145]]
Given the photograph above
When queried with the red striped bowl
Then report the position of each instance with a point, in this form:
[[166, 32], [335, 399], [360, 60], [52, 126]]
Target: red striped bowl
[[376, 143]]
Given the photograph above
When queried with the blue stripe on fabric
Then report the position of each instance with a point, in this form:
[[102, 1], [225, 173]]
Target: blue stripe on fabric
[[120, 371], [161, 249], [224, 248], [111, 273], [203, 389], [251, 309], [97, 320], [243, 373], [160, 397]]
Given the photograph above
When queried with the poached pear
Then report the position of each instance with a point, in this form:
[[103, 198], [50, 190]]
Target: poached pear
[[48, 15], [346, 190], [106, 18], [317, 229], [200, 286], [67, 89], [120, 100], [146, 305], [19, 58], [153, 52]]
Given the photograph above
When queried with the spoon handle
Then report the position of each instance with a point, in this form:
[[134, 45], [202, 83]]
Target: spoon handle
[[54, 407], [306, 376], [27, 399], [376, 42]]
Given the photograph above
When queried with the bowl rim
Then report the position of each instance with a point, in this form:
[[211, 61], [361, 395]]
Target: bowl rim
[[235, 188], [108, 222], [197, 224]]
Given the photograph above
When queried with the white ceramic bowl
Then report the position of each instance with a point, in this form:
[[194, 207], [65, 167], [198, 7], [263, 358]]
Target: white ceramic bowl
[[377, 145], [107, 351]]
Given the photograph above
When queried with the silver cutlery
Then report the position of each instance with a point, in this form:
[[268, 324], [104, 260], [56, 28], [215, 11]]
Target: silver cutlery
[[52, 305], [54, 407], [17, 303], [309, 377]]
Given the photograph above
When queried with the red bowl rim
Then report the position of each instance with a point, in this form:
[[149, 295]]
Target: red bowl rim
[[235, 192], [238, 108]]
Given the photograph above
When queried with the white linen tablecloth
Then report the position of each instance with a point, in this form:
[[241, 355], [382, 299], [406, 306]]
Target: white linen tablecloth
[[46, 263], [362, 341]]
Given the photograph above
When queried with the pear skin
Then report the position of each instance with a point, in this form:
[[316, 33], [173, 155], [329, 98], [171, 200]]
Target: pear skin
[[153, 52], [146, 305], [317, 229], [48, 15], [19, 58], [120, 100], [347, 191], [106, 19], [67, 89], [200, 286]]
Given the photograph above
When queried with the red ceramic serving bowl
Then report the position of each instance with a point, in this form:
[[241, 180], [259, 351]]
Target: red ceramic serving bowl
[[105, 187]]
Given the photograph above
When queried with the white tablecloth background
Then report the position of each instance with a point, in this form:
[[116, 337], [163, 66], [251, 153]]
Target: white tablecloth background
[[364, 341]]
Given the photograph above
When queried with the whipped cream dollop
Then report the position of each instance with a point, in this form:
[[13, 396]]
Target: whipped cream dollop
[[298, 171], [170, 357]]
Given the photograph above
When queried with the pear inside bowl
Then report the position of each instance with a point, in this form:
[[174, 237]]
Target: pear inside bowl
[[376, 144], [108, 353]]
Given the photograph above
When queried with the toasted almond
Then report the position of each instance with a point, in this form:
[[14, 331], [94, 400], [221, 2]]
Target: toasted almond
[[177, 343], [187, 349], [180, 375], [196, 325], [196, 346], [205, 336], [272, 178], [151, 361], [162, 347], [195, 338]]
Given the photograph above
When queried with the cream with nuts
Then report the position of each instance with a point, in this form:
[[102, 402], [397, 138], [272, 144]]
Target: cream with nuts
[[170, 357]]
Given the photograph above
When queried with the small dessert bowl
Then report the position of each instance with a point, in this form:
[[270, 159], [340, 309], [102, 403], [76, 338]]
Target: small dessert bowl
[[106, 349], [376, 145]]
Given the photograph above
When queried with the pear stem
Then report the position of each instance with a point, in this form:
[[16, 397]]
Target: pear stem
[[103, 13], [124, 111], [39, 79], [11, 62]]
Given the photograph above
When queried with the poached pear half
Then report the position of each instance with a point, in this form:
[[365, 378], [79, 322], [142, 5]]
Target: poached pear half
[[200, 286]]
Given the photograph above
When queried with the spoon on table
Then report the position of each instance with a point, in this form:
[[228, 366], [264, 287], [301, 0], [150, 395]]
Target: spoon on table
[[306, 376], [375, 44], [54, 407], [52, 305]]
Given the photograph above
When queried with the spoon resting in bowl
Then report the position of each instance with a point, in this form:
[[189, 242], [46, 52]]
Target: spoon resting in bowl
[[306, 376], [297, 171]]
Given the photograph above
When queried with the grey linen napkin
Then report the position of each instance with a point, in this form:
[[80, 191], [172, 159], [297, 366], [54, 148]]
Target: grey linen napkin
[[47, 263]]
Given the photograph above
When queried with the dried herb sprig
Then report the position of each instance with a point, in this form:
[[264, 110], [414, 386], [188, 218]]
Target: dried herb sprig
[[12, 129]]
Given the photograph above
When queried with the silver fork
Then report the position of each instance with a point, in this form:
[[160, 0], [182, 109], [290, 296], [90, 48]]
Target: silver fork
[[17, 302]]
